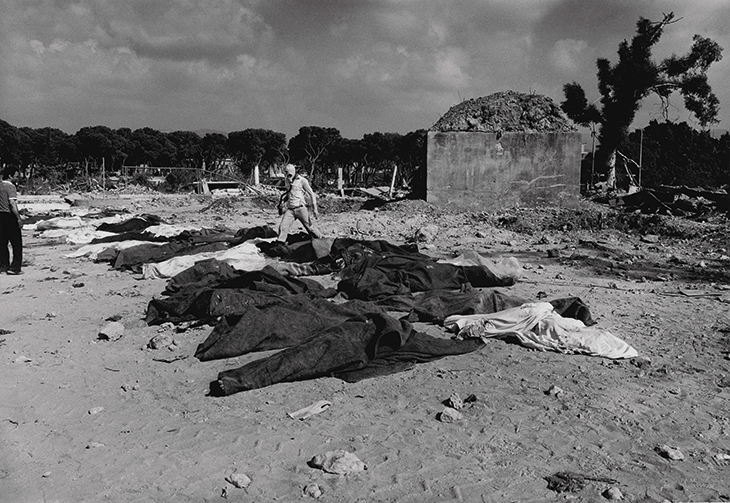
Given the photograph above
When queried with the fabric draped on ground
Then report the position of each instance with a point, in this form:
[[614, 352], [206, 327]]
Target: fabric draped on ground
[[436, 305], [205, 290], [372, 345], [376, 277], [537, 326]]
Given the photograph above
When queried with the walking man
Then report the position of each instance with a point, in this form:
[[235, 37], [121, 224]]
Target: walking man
[[294, 204], [9, 227]]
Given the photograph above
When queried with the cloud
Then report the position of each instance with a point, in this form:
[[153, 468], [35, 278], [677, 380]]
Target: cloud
[[567, 54], [394, 65]]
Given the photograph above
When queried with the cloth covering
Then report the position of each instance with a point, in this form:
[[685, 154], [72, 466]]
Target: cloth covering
[[537, 326], [210, 285], [244, 257], [437, 305], [372, 345], [378, 276]]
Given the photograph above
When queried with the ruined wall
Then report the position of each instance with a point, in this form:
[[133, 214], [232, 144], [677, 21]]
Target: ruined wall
[[476, 171]]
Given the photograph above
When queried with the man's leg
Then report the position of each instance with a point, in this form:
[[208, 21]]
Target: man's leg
[[287, 219], [302, 214], [16, 241], [4, 254]]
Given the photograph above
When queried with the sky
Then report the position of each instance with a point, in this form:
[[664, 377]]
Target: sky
[[360, 66]]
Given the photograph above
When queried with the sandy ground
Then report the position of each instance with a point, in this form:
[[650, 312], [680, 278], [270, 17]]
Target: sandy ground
[[82, 419]]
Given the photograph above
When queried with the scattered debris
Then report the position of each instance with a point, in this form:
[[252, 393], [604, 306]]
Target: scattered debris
[[112, 331], [455, 401], [95, 410], [561, 482], [160, 341], [450, 415], [641, 362], [312, 490], [555, 391], [669, 452], [313, 409], [613, 493], [240, 480], [338, 462], [94, 445]]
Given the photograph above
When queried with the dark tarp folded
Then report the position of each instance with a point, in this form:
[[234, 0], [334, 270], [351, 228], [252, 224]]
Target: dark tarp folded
[[373, 345], [284, 322], [135, 257], [377, 277], [189, 290], [437, 305], [131, 224]]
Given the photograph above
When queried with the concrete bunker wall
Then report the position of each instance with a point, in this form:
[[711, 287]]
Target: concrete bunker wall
[[474, 171]]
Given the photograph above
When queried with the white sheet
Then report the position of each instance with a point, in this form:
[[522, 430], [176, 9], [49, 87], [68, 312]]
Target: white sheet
[[536, 325], [244, 257]]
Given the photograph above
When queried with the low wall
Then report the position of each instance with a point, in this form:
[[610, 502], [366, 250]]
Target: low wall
[[474, 171]]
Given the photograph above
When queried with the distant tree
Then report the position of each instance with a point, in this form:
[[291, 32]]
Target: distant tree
[[188, 152], [46, 153], [311, 146], [677, 154], [12, 143], [151, 148], [412, 154], [99, 144], [213, 149], [635, 76], [256, 147]]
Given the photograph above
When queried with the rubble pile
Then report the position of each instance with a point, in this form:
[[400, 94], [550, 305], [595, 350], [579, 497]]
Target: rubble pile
[[506, 111]]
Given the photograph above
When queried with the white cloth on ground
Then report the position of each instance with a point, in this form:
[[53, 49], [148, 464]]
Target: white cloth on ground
[[244, 257], [536, 325]]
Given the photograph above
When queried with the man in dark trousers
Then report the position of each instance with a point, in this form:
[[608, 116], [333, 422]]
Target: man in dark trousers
[[9, 227]]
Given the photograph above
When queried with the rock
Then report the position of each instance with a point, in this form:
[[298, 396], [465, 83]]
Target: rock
[[650, 238], [555, 391], [455, 401], [450, 415], [240, 480], [553, 253], [166, 326], [613, 493], [721, 458], [641, 362], [427, 233], [669, 452], [95, 410], [338, 462], [160, 341], [112, 331], [94, 445], [312, 490]]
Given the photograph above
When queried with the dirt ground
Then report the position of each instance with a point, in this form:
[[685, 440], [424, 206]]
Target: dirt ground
[[90, 420]]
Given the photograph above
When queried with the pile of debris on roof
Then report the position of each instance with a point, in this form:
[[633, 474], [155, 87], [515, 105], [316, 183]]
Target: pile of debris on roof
[[507, 111], [677, 201]]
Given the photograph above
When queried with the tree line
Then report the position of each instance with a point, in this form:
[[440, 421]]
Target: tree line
[[54, 156]]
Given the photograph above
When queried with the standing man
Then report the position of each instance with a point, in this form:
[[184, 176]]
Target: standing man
[[9, 227], [295, 204]]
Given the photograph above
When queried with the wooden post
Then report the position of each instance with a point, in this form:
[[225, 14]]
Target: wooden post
[[103, 173], [256, 175], [392, 181], [340, 182]]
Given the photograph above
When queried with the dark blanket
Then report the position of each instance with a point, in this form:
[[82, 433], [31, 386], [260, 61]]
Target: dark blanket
[[131, 224], [135, 257], [372, 345], [283, 322], [437, 305], [194, 293], [379, 276]]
